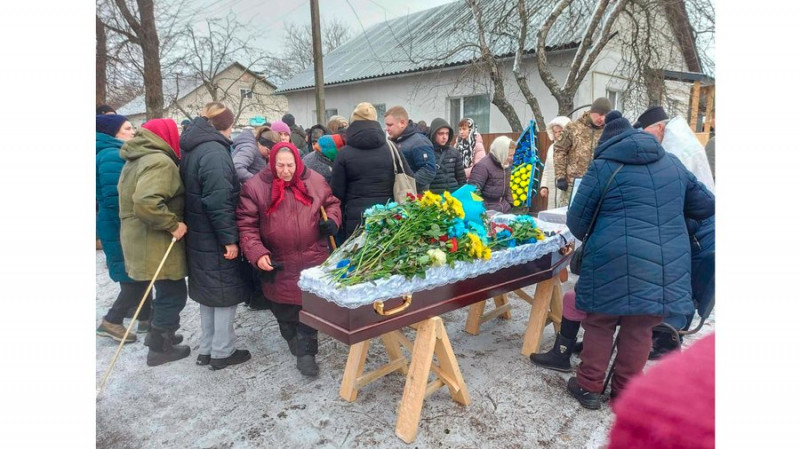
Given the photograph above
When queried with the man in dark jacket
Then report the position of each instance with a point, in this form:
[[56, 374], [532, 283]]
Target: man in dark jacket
[[637, 261], [298, 135], [449, 166], [415, 146]]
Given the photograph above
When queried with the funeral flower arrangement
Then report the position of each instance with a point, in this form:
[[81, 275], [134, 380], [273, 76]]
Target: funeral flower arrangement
[[427, 230]]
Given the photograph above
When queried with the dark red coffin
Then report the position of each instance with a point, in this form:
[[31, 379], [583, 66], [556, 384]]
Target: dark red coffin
[[354, 325]]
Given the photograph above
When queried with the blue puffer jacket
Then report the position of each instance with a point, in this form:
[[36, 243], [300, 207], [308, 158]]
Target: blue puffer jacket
[[637, 260], [108, 166]]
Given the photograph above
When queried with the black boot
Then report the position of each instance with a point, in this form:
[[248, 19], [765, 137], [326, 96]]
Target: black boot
[[238, 356], [585, 397], [289, 333], [578, 348], [663, 344], [306, 350], [558, 357], [176, 338], [162, 347]]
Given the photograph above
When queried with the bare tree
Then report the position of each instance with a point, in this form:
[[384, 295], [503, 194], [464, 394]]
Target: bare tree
[[298, 53], [101, 61]]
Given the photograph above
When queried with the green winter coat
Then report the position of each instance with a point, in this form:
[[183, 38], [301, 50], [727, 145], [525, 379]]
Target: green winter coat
[[151, 197]]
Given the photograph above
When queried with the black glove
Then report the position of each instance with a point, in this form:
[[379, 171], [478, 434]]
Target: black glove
[[561, 184], [328, 227]]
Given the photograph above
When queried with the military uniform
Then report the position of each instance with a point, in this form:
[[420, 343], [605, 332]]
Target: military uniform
[[573, 151]]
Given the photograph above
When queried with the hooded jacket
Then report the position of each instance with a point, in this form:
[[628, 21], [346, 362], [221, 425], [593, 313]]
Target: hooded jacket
[[362, 172], [637, 261], [289, 235], [212, 193], [151, 198], [449, 165], [418, 151], [108, 165], [246, 158]]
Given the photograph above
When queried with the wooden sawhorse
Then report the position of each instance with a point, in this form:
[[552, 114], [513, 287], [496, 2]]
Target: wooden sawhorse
[[431, 339], [546, 304]]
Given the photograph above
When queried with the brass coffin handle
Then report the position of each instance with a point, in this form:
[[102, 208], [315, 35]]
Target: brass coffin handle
[[378, 306], [567, 249]]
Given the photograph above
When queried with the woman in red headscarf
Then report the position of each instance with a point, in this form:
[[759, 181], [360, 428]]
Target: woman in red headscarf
[[281, 231]]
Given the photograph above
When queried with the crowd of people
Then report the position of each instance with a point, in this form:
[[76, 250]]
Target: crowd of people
[[246, 216]]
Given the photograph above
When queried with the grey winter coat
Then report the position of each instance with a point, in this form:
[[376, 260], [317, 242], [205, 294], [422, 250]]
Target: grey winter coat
[[246, 158]]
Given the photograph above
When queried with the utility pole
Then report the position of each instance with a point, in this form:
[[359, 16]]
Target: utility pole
[[319, 80]]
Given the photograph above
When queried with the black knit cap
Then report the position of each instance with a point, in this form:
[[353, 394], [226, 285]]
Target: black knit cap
[[651, 116], [616, 124], [288, 119]]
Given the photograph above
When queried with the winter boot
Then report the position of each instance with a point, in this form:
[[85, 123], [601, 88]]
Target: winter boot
[[289, 333], [578, 348], [238, 356], [162, 347], [307, 347], [585, 397], [176, 338], [663, 344], [558, 357], [143, 327], [115, 331]]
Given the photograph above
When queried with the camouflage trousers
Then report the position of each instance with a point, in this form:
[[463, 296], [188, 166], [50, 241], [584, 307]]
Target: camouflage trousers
[[562, 197]]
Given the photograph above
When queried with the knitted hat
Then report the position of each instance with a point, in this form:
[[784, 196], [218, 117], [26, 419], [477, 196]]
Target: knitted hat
[[616, 124], [223, 120], [280, 127], [105, 109], [288, 119], [601, 106], [109, 123], [650, 117], [364, 111], [329, 145], [671, 405]]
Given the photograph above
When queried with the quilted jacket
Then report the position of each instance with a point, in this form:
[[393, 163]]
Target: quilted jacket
[[637, 261], [107, 169]]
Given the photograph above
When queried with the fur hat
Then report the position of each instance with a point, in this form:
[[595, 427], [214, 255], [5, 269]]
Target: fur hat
[[288, 119], [109, 123], [616, 124], [651, 117], [364, 111], [558, 121], [601, 106], [280, 127]]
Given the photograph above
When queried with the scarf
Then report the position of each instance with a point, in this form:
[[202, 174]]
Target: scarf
[[279, 186], [467, 146], [167, 130]]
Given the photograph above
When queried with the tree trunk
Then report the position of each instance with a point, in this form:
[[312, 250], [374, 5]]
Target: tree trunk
[[154, 95], [101, 61]]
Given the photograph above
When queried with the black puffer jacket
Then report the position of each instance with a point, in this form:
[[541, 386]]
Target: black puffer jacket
[[362, 172], [212, 193], [449, 165]]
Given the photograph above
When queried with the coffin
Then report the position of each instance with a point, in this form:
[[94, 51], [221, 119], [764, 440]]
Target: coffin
[[353, 325]]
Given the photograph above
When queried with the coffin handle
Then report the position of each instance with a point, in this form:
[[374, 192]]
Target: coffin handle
[[378, 306]]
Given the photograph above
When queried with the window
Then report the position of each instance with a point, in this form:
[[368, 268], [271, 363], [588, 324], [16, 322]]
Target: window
[[615, 97], [330, 113], [475, 107], [246, 93]]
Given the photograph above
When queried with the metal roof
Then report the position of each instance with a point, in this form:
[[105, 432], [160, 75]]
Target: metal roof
[[441, 37]]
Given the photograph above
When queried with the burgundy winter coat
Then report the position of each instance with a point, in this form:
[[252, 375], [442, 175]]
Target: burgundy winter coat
[[493, 182], [290, 235]]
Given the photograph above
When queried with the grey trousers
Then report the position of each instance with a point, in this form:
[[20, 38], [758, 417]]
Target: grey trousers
[[218, 338]]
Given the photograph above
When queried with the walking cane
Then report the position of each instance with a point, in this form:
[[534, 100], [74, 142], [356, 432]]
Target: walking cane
[[325, 217], [135, 316]]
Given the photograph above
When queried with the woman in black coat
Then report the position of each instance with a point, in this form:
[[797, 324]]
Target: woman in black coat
[[362, 172], [216, 276]]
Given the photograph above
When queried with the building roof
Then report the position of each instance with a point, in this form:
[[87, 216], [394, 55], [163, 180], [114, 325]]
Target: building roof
[[182, 87], [440, 37]]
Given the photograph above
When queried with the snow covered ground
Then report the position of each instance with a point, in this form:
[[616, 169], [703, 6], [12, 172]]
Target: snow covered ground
[[266, 402]]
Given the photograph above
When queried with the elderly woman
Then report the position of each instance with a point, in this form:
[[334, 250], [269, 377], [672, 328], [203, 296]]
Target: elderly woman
[[216, 277], [282, 233], [337, 124], [492, 175], [547, 188], [112, 132], [636, 265], [151, 198], [470, 144]]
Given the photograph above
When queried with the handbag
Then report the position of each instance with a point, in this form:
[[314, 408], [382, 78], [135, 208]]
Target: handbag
[[577, 257], [404, 184]]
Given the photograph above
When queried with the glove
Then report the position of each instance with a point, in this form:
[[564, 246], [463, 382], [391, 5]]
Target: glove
[[328, 227], [561, 184]]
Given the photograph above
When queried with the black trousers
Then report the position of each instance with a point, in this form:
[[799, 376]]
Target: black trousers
[[288, 316], [169, 301], [129, 296]]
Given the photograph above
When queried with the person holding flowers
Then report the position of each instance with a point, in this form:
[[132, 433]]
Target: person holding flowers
[[492, 175], [282, 232]]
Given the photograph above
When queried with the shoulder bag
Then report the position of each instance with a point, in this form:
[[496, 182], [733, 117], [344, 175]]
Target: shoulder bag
[[403, 183], [577, 258]]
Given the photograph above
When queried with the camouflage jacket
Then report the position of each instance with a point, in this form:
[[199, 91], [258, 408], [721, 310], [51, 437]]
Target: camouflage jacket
[[574, 148]]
